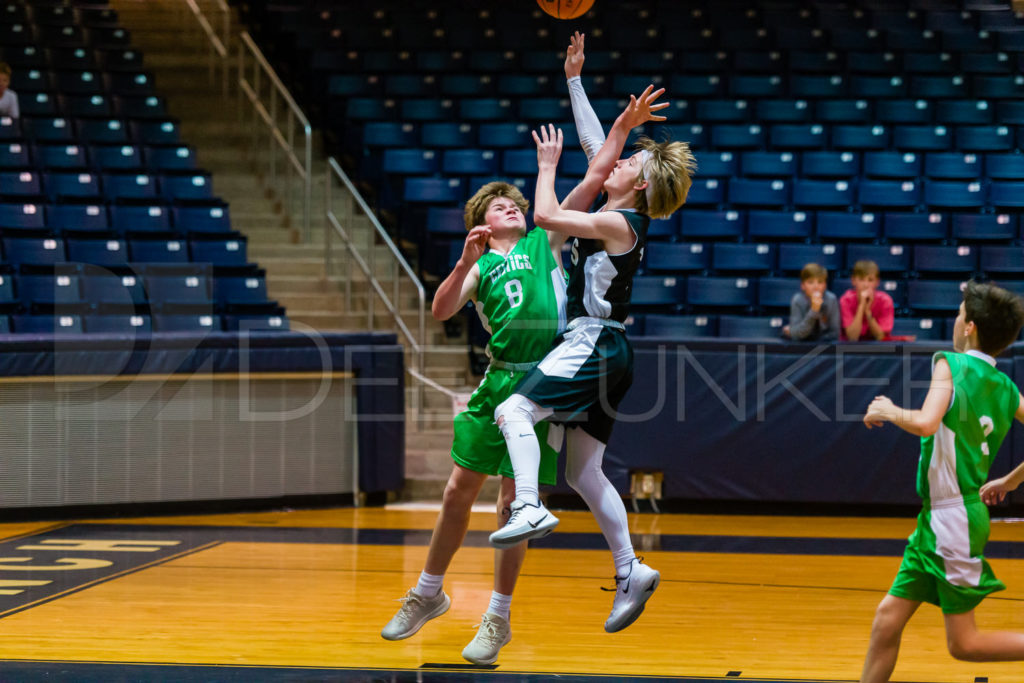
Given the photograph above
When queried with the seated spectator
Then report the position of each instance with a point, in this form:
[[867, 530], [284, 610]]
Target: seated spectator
[[8, 98], [867, 314], [813, 311]]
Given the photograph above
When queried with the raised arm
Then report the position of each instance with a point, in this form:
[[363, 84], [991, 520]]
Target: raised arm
[[923, 422], [461, 284], [639, 111], [588, 126]]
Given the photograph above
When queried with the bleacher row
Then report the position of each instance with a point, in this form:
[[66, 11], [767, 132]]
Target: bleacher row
[[107, 223]]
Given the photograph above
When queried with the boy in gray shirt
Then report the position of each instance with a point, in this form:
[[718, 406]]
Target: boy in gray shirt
[[813, 311], [8, 99]]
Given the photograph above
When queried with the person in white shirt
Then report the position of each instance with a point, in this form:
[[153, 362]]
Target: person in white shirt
[[8, 98]]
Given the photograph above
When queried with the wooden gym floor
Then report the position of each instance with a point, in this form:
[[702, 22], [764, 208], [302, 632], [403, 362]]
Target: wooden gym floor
[[302, 596]]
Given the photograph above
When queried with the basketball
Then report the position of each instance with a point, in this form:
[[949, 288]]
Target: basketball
[[565, 9]]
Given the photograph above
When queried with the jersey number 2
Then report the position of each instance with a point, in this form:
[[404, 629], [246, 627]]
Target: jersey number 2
[[514, 292], [986, 426]]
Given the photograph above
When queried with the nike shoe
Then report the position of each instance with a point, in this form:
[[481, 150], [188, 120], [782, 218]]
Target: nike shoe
[[493, 634], [631, 595], [526, 521], [415, 611]]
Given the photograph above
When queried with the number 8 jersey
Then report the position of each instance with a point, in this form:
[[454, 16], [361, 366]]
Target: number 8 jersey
[[521, 299]]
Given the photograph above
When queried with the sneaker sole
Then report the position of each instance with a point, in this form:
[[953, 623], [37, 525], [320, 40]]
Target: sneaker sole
[[492, 660], [539, 532], [635, 614], [438, 611]]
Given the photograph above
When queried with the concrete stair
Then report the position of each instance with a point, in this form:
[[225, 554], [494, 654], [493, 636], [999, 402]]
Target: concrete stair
[[176, 52]]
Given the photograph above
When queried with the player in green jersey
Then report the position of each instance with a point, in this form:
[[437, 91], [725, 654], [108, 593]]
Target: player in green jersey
[[517, 284], [965, 416]]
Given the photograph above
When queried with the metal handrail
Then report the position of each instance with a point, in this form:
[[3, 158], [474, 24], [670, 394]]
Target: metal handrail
[[218, 44], [368, 265], [278, 140]]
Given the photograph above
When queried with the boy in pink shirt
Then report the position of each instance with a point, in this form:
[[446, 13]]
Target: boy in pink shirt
[[867, 314]]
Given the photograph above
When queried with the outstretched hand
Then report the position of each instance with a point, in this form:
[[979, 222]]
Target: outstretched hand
[[641, 109], [476, 244], [574, 56], [549, 146]]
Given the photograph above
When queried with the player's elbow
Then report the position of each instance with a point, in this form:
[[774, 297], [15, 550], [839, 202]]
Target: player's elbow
[[928, 427], [440, 312]]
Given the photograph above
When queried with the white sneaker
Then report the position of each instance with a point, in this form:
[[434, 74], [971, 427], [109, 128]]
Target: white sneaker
[[494, 634], [631, 595], [415, 611], [526, 521]]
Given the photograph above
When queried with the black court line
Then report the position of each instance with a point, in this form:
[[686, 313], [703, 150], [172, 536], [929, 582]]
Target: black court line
[[690, 543], [142, 672]]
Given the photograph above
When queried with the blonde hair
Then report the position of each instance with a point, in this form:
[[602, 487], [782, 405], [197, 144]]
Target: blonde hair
[[669, 172], [864, 268], [813, 271], [476, 207]]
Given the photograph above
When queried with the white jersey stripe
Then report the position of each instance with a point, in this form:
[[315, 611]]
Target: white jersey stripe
[[949, 520], [566, 359]]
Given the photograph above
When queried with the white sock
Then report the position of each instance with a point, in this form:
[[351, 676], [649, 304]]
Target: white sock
[[500, 605], [428, 585], [583, 472]]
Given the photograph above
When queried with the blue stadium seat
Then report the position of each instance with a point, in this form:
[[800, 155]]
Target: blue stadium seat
[[102, 131], [781, 111], [159, 251], [750, 327], [723, 111], [765, 164], [178, 289], [738, 136], [971, 227], [716, 164], [696, 85], [892, 164], [921, 329], [158, 132], [229, 252], [34, 250], [680, 326], [829, 164], [23, 184], [891, 258], [938, 87], [756, 85], [76, 218], [664, 228], [388, 134], [187, 323], [250, 322], [118, 324], [106, 288], [997, 87], [25, 216], [7, 289], [503, 134], [14, 155], [117, 157], [882, 65], [130, 186], [756, 192], [1006, 193], [843, 111], [1004, 166], [747, 257], [420, 109], [797, 136], [519, 162], [699, 223], [174, 158], [888, 193], [72, 185], [697, 135], [876, 86], [922, 138], [904, 111], [433, 190], [793, 257], [47, 324], [149, 107], [128, 218], [534, 110], [934, 295], [952, 166], [445, 222], [1002, 260], [954, 194], [468, 162], [1010, 112], [48, 289], [779, 224], [706, 192], [186, 187], [913, 227], [841, 225], [448, 134], [101, 252], [202, 219], [985, 138], [658, 291], [679, 257], [720, 291], [930, 258], [964, 112], [823, 193], [857, 138], [776, 292], [247, 289], [815, 86]]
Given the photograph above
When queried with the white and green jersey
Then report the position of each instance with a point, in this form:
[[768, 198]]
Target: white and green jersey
[[521, 299], [956, 459]]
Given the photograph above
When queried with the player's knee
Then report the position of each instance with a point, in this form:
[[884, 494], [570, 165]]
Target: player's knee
[[887, 625], [516, 410], [964, 648]]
